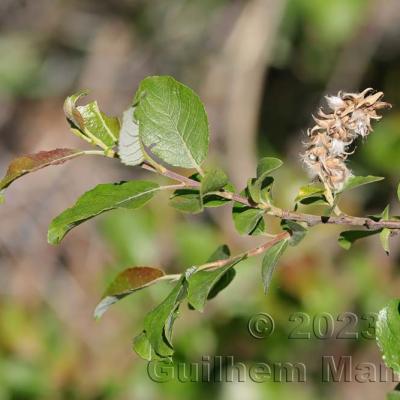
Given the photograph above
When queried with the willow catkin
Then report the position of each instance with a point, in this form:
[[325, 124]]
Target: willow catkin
[[329, 140]]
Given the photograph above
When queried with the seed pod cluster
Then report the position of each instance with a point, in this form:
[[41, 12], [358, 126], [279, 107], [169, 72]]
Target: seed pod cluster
[[329, 140]]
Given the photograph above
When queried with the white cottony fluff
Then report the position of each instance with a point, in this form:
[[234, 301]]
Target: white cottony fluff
[[338, 147], [334, 102]]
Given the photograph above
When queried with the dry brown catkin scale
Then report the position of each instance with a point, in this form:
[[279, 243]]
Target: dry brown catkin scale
[[329, 139]]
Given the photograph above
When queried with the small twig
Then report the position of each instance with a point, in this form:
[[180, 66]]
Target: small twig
[[222, 263], [250, 253]]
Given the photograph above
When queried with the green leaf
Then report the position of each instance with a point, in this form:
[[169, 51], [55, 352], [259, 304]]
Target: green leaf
[[260, 191], [384, 236], [398, 191], [347, 238], [213, 181], [130, 148], [260, 187], [102, 198], [270, 261], [127, 282], [91, 124], [356, 181], [247, 220], [311, 194], [206, 284], [172, 121], [187, 200], [385, 239], [388, 334], [267, 165], [213, 200], [32, 162], [395, 395], [159, 322], [142, 346], [296, 230]]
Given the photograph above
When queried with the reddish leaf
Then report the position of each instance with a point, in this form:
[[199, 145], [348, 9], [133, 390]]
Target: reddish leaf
[[32, 162], [125, 283]]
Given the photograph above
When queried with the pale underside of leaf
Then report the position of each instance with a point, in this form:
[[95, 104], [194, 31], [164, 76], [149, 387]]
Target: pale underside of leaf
[[130, 148], [126, 283]]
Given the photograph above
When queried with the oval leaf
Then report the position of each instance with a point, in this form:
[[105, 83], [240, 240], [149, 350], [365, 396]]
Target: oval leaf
[[388, 334], [266, 165], [347, 238], [206, 284], [356, 181], [159, 322], [260, 187], [213, 181], [130, 148], [172, 121], [202, 284], [187, 200], [247, 220], [270, 261], [296, 230], [102, 198], [311, 194], [32, 162], [127, 282]]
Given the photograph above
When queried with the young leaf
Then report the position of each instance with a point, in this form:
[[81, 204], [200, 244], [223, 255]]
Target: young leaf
[[142, 346], [158, 323], [213, 200], [270, 261], [187, 200], [356, 181], [102, 198], [130, 148], [260, 187], [213, 181], [91, 124], [296, 230], [127, 282], [260, 190], [384, 236], [32, 162], [247, 220], [206, 284], [388, 334], [311, 194], [267, 165], [172, 121], [347, 238]]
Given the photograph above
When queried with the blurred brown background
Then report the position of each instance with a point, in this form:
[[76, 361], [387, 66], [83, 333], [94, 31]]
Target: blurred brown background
[[261, 67]]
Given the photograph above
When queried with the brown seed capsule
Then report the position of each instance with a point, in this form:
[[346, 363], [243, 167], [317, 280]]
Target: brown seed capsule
[[333, 133]]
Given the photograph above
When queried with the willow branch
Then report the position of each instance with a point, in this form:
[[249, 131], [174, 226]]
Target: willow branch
[[309, 219]]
